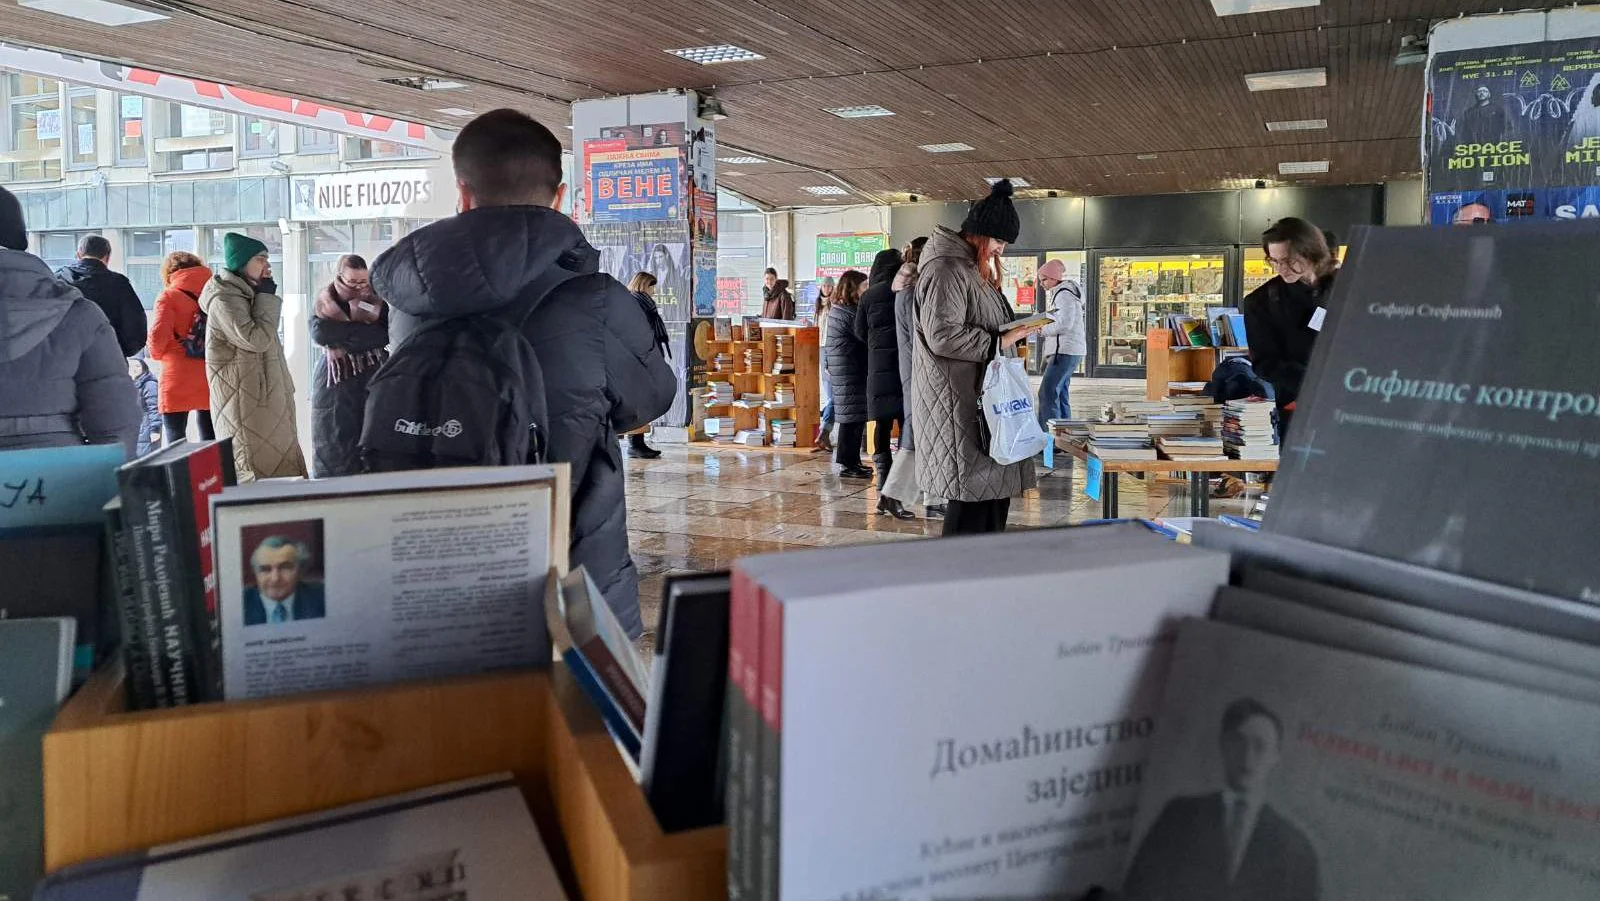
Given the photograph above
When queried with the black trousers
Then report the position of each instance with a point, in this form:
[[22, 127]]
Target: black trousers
[[176, 425], [976, 517], [847, 449], [883, 451]]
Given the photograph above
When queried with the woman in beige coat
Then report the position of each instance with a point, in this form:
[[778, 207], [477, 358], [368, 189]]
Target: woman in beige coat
[[252, 395], [961, 322]]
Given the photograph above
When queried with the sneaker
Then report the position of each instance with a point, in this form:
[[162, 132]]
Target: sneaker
[[855, 472], [934, 511]]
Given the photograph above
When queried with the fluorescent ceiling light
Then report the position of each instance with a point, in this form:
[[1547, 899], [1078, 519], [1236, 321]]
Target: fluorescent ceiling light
[[955, 147], [456, 111], [1241, 7], [1015, 181], [869, 111], [1287, 79], [1298, 125], [1147, 156], [740, 160], [423, 83], [100, 12], [1307, 168], [717, 54], [826, 190]]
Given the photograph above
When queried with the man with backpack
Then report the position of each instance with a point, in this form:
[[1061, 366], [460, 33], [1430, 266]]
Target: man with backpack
[[511, 346]]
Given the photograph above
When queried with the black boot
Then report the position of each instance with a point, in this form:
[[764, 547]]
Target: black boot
[[888, 506], [637, 448], [934, 511]]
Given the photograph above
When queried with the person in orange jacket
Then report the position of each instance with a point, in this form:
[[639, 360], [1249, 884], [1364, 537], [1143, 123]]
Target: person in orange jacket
[[178, 342]]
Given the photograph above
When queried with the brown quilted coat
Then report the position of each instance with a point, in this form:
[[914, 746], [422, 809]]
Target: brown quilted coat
[[958, 317], [252, 394]]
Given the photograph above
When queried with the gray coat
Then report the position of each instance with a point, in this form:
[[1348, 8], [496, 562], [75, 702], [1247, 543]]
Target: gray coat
[[959, 319], [847, 366], [905, 327], [63, 378], [604, 374]]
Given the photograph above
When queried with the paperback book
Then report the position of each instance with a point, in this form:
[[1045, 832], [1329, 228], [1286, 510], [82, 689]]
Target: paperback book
[[35, 675]]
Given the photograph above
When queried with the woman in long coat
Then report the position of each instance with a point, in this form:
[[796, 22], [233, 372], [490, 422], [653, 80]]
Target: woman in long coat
[[847, 370]]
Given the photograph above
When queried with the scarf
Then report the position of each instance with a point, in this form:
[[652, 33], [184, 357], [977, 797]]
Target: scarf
[[337, 303]]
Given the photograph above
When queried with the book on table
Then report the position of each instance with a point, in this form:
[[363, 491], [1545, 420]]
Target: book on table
[[602, 660], [372, 579], [473, 839], [861, 773], [36, 657]]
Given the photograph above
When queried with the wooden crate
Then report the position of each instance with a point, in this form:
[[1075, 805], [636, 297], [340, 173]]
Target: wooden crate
[[117, 782]]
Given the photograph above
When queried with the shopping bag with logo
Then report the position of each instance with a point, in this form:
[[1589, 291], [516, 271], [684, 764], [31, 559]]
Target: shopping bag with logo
[[1014, 432]]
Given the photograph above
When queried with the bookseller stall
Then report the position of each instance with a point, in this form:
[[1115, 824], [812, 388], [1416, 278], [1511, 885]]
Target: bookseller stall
[[761, 386]]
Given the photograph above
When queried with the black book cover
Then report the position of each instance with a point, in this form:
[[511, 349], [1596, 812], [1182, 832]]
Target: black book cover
[[57, 571], [1448, 418], [125, 592], [682, 769]]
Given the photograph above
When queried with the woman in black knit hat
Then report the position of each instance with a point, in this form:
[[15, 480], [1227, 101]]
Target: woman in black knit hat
[[961, 326]]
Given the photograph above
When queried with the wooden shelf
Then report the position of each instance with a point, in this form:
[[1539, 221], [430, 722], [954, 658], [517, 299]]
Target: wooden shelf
[[117, 782]]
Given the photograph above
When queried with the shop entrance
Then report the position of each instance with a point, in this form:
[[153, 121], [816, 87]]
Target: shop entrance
[[1135, 291]]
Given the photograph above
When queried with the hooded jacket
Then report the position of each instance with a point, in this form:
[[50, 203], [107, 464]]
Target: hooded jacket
[[1066, 333], [960, 318], [252, 393], [114, 295], [149, 388], [847, 365], [183, 378], [874, 326], [778, 303], [603, 372], [63, 379]]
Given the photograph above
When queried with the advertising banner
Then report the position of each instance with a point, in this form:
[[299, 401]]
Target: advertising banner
[[731, 295], [372, 194], [839, 253], [703, 227], [636, 185]]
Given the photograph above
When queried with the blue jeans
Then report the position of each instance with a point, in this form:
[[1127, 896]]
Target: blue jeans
[[1054, 402]]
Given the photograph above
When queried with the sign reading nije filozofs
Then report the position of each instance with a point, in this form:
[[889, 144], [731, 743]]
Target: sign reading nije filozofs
[[371, 194]]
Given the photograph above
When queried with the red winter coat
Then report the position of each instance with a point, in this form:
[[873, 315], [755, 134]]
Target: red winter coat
[[183, 378]]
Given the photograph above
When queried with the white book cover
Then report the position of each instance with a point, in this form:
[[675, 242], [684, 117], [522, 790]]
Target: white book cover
[[971, 719], [372, 579]]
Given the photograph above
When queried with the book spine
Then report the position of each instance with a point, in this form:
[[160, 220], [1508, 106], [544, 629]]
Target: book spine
[[743, 645], [145, 500], [771, 742], [615, 682], [192, 482], [146, 602], [135, 653]]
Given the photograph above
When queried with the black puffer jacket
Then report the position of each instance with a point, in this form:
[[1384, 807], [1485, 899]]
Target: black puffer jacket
[[847, 366], [874, 326], [114, 295], [603, 373]]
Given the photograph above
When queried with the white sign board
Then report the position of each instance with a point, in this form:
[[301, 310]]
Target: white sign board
[[421, 193]]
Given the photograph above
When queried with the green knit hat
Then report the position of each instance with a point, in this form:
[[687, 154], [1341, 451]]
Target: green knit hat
[[238, 250]]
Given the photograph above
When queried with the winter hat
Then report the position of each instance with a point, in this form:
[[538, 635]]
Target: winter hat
[[13, 232], [1055, 270], [995, 216], [238, 250]]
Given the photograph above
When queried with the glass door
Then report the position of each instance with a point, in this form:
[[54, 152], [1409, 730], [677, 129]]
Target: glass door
[[1018, 281], [1136, 291]]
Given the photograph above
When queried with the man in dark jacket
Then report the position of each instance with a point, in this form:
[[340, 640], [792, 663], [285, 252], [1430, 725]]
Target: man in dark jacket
[[603, 373], [875, 326], [110, 291]]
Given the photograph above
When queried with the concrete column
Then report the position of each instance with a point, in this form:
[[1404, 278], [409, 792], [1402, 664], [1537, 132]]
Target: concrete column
[[295, 289], [780, 245]]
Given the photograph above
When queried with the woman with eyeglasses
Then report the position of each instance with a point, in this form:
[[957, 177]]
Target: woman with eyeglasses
[[1282, 317], [351, 325]]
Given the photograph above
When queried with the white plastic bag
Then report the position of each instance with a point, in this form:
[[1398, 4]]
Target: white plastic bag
[[1014, 432]]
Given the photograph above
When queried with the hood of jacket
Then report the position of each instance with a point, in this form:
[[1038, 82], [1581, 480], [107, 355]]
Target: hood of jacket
[[479, 261], [905, 278], [82, 271], [192, 280], [32, 302], [947, 245], [884, 266]]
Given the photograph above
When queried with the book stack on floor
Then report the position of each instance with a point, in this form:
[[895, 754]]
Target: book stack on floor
[[784, 433], [751, 438], [1247, 430], [784, 348], [1193, 450], [1122, 441], [719, 428]]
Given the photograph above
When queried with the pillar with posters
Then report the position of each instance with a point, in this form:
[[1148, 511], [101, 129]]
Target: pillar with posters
[[645, 195]]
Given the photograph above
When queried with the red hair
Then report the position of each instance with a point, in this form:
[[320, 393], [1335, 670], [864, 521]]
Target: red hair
[[988, 266]]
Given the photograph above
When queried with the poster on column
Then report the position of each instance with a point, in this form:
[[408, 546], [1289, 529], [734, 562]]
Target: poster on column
[[659, 248], [703, 229], [636, 185], [1488, 117]]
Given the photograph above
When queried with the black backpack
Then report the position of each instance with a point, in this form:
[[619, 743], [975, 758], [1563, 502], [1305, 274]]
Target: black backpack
[[194, 342], [466, 391]]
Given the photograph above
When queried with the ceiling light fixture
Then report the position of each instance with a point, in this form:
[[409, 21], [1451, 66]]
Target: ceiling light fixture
[[100, 12], [424, 83], [1243, 7], [869, 111], [826, 190], [717, 54], [1288, 79], [456, 111], [711, 109], [1146, 156], [1298, 125], [1015, 181], [954, 147], [1311, 167], [740, 160], [1413, 50]]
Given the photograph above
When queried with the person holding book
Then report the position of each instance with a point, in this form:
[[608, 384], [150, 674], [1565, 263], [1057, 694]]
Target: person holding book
[[63, 378], [847, 369], [350, 322], [962, 320], [178, 343], [252, 393], [1230, 845], [1065, 342], [1284, 316]]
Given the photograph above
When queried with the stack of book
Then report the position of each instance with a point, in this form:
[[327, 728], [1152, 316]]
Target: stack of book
[[1247, 430], [752, 329], [1192, 449], [782, 396], [1228, 329], [1137, 410], [722, 362], [754, 359], [1188, 424], [1189, 332], [784, 348], [784, 433], [751, 438], [717, 426], [719, 394], [1209, 409], [1128, 441]]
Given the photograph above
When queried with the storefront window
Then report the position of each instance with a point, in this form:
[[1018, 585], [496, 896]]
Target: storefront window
[[357, 149], [1140, 293], [198, 122], [143, 243], [59, 248], [130, 131], [315, 140], [33, 129], [1018, 282], [258, 137], [83, 131], [742, 262]]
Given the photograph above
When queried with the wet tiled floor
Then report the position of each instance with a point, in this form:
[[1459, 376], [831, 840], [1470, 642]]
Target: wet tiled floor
[[698, 509]]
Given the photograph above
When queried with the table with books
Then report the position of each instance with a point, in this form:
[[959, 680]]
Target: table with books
[[1198, 473]]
